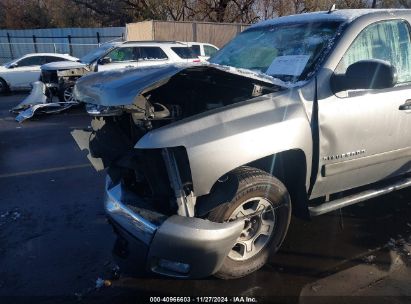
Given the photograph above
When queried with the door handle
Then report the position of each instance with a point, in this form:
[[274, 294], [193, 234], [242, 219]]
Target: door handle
[[405, 106]]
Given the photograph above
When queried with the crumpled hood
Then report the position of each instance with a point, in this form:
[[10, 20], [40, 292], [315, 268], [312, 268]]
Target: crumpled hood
[[62, 65], [120, 87], [223, 139]]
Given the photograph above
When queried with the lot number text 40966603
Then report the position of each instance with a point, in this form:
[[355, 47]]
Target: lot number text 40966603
[[203, 300]]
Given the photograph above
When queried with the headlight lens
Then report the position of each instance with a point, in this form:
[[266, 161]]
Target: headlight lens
[[97, 110]]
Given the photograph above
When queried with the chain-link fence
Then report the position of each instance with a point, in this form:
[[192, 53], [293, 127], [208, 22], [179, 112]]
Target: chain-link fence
[[76, 42]]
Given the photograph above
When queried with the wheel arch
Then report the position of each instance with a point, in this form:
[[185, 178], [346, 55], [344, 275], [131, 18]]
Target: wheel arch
[[7, 84], [290, 167]]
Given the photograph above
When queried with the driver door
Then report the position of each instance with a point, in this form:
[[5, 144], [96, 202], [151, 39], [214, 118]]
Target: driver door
[[364, 134], [26, 71], [122, 57]]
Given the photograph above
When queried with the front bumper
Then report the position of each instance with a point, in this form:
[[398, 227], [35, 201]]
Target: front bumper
[[177, 246], [38, 101]]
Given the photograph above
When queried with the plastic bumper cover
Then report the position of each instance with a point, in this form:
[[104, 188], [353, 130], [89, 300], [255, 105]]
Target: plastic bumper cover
[[184, 247]]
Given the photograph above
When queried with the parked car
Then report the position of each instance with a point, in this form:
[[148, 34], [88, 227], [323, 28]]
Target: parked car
[[20, 73], [203, 50], [58, 78], [304, 114], [61, 77]]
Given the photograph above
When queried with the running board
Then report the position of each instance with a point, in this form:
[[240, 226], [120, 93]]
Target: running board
[[358, 197]]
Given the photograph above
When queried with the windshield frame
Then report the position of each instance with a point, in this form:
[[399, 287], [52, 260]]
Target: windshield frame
[[340, 26], [105, 48]]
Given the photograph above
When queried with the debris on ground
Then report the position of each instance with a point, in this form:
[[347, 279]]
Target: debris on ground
[[402, 247], [79, 296], [316, 287], [369, 259], [9, 216], [102, 283], [115, 272], [38, 102], [99, 283]]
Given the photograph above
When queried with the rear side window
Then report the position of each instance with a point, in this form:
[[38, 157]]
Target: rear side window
[[54, 59], [209, 50], [388, 41], [185, 52], [196, 49], [30, 61], [151, 53]]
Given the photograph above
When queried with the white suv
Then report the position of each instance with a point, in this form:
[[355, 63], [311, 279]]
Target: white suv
[[60, 77], [141, 54]]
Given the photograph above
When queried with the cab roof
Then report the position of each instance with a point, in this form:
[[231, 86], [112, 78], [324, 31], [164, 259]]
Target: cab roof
[[343, 15]]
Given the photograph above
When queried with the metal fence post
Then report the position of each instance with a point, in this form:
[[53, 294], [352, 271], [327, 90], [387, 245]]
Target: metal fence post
[[55, 49], [10, 47], [35, 44], [98, 38], [70, 46]]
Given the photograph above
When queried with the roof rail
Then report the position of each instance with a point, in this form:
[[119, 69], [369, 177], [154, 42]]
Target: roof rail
[[150, 41]]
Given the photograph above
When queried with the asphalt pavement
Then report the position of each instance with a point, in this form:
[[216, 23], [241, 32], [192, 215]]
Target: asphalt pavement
[[56, 245]]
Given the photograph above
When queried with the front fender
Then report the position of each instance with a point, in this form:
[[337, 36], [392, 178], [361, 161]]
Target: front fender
[[222, 140]]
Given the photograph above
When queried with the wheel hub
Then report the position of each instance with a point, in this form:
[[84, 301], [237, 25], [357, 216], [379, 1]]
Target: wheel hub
[[259, 222], [68, 94], [251, 227]]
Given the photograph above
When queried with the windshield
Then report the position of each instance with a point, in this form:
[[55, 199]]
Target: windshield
[[9, 63], [96, 53], [289, 52]]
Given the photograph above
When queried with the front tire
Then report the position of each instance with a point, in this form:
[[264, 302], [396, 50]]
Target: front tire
[[265, 203], [66, 94], [4, 88]]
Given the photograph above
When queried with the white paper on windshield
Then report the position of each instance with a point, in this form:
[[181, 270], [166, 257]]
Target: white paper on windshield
[[288, 65]]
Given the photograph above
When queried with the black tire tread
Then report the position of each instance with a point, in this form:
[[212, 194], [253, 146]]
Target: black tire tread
[[7, 89], [248, 178]]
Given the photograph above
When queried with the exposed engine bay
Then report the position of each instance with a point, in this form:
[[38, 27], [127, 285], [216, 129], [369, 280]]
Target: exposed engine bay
[[186, 94]]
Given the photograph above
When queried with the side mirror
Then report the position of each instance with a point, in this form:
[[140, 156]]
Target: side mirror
[[13, 65], [366, 74], [105, 60]]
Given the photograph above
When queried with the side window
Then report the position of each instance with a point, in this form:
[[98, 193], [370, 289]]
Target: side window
[[152, 53], [31, 61], [196, 49], [123, 54], [184, 52], [388, 41], [54, 59], [209, 50]]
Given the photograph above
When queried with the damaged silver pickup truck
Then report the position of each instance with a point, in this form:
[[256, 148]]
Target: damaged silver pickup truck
[[307, 113]]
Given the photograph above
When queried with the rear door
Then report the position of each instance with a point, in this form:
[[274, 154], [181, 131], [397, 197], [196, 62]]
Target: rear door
[[151, 56], [364, 134]]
